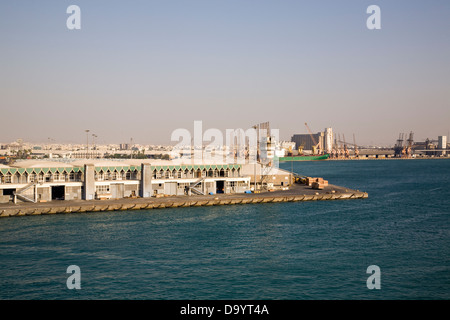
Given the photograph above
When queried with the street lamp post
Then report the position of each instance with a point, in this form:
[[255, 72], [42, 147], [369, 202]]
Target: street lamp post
[[87, 143], [94, 146]]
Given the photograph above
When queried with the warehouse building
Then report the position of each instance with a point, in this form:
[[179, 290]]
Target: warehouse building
[[321, 140], [41, 181]]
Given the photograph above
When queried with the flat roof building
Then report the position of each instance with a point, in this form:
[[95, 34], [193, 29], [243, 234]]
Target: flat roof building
[[442, 144], [41, 181], [323, 141]]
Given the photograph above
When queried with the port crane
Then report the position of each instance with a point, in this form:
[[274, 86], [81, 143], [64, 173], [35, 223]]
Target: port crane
[[346, 152], [355, 146], [398, 148], [333, 153], [404, 150], [340, 148], [409, 146], [337, 147], [316, 146]]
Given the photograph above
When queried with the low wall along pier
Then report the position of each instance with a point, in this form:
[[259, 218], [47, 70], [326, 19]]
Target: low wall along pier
[[297, 192]]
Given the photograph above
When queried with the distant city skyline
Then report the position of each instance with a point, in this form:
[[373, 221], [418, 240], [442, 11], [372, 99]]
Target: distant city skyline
[[144, 69]]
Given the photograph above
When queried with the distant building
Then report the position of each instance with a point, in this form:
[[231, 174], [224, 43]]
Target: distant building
[[305, 140], [323, 140], [442, 144], [285, 148], [124, 146], [328, 140]]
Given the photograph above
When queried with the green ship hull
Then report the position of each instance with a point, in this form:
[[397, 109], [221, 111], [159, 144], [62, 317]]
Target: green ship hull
[[304, 158]]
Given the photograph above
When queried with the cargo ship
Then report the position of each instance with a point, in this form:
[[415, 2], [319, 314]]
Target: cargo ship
[[305, 158]]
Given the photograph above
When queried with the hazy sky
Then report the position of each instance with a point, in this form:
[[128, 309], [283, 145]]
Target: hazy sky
[[141, 69]]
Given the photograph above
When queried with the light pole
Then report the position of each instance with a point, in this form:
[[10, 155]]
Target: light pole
[[93, 142], [87, 143]]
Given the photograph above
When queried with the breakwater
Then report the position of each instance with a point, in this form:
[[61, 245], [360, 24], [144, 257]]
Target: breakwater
[[294, 194]]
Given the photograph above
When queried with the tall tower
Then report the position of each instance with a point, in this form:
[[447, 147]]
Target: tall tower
[[442, 144], [328, 145]]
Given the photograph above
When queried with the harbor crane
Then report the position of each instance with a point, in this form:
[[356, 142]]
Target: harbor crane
[[336, 152], [346, 152], [316, 146], [340, 148], [398, 148], [356, 147], [404, 150], [409, 146]]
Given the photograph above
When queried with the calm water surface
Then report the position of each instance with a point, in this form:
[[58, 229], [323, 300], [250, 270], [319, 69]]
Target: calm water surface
[[303, 250]]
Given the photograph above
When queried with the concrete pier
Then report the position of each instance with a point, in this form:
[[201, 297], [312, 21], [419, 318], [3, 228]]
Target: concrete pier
[[297, 192]]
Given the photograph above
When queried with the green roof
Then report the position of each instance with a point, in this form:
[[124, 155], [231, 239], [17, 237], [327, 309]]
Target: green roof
[[21, 171]]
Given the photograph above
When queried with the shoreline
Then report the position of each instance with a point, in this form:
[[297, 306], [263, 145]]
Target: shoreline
[[296, 193], [371, 158]]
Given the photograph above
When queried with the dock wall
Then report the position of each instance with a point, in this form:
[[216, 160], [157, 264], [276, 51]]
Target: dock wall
[[89, 206]]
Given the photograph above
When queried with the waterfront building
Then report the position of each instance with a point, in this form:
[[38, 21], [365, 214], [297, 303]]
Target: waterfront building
[[304, 141], [328, 140], [442, 144], [308, 142], [40, 181]]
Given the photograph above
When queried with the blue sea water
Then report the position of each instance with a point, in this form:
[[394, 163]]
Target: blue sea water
[[298, 250]]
